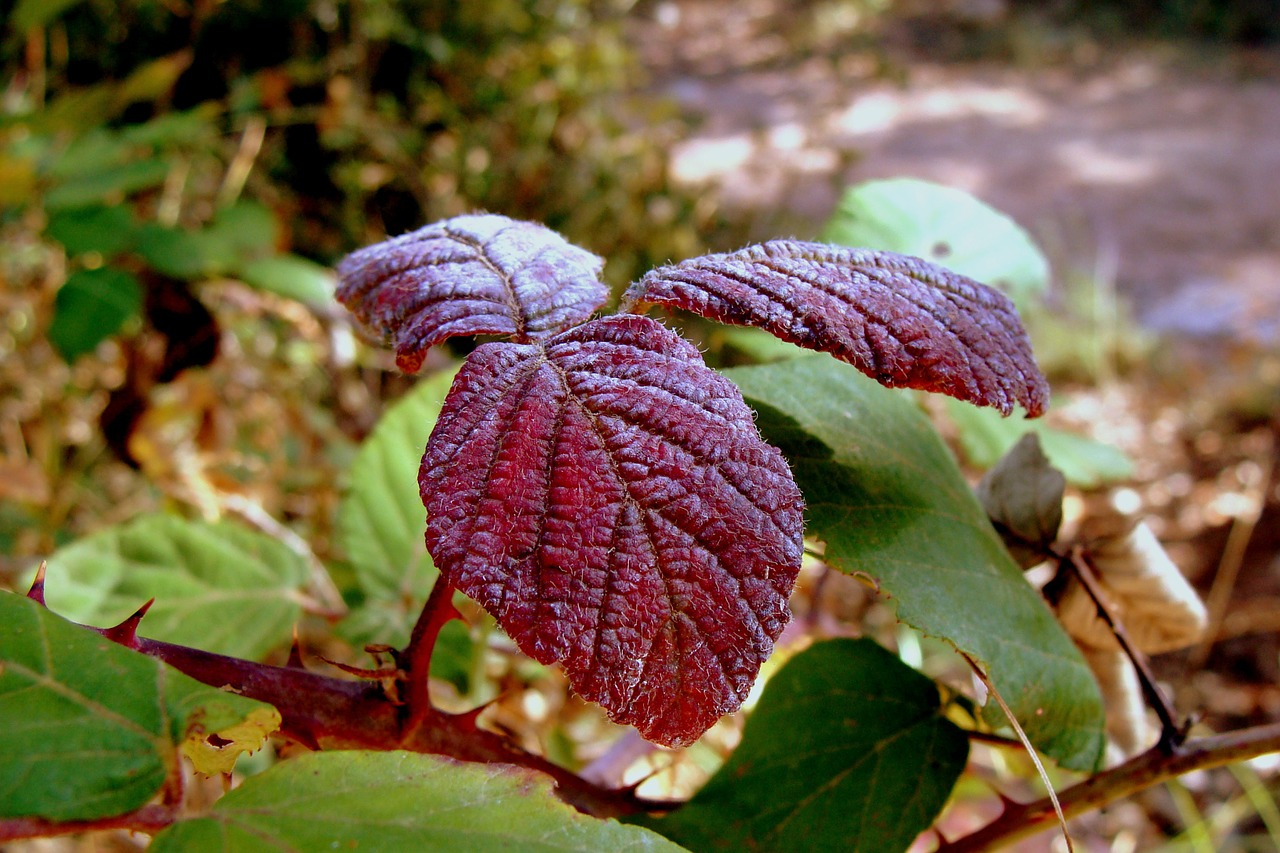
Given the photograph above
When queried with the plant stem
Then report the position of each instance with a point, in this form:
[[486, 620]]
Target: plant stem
[[150, 819], [1156, 765], [1172, 732]]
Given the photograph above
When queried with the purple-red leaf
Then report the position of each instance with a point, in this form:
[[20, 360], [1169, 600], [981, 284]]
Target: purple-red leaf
[[899, 319], [606, 496], [470, 275]]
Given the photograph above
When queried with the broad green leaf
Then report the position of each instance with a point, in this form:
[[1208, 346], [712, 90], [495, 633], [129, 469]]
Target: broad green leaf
[[105, 230], [90, 307], [109, 185], [184, 254], [248, 230], [219, 587], [391, 801], [886, 496], [381, 521], [291, 276], [847, 750], [944, 225], [90, 729], [1084, 462]]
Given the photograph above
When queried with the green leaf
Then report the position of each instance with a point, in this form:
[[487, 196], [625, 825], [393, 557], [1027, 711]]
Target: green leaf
[[110, 185], [985, 437], [105, 230], [188, 255], [381, 522], [846, 750], [399, 801], [944, 225], [247, 230], [886, 496], [91, 306], [90, 729], [219, 587], [293, 277]]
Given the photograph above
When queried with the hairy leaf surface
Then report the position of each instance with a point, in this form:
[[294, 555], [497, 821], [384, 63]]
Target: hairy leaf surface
[[847, 750], [90, 729], [470, 275], [606, 496], [400, 801], [899, 319], [887, 497]]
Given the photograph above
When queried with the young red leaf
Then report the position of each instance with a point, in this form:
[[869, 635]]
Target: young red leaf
[[470, 275], [899, 319], [607, 497]]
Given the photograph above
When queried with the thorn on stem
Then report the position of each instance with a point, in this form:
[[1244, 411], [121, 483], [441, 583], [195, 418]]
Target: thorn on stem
[[126, 633], [295, 652], [36, 593]]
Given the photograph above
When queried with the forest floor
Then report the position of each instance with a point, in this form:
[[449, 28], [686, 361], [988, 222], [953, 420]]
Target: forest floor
[[1149, 174]]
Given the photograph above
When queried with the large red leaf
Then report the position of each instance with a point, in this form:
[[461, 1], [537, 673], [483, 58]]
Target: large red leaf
[[606, 496], [470, 275], [899, 319]]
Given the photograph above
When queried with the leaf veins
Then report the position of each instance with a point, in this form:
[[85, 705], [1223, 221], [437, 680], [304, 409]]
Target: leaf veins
[[470, 275], [607, 497], [899, 319]]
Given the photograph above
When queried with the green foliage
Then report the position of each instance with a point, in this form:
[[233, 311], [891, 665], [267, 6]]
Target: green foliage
[[945, 225], [885, 494], [91, 306], [846, 750], [219, 587], [399, 801], [93, 729]]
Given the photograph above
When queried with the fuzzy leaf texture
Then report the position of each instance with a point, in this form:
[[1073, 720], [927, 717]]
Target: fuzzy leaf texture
[[470, 275], [607, 497], [900, 320]]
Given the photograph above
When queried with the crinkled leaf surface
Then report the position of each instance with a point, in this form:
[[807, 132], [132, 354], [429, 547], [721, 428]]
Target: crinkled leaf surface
[[400, 801], [606, 496], [944, 225], [470, 275], [90, 729], [846, 750], [985, 437], [1023, 495], [219, 587], [899, 319], [887, 497]]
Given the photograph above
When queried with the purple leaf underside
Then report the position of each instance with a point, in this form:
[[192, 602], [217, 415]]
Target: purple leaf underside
[[607, 497], [471, 275], [899, 319]]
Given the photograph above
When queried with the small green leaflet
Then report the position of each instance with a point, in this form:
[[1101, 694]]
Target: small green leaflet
[[393, 801], [886, 496], [90, 729], [219, 587], [846, 750]]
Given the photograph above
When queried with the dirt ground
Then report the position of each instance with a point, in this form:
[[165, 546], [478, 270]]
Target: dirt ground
[[1158, 166]]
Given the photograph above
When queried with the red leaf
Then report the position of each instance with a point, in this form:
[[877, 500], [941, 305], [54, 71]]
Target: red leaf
[[606, 496], [470, 275], [899, 319]]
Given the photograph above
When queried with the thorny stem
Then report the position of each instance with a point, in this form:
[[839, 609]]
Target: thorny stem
[[1159, 764], [415, 659], [1172, 733]]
